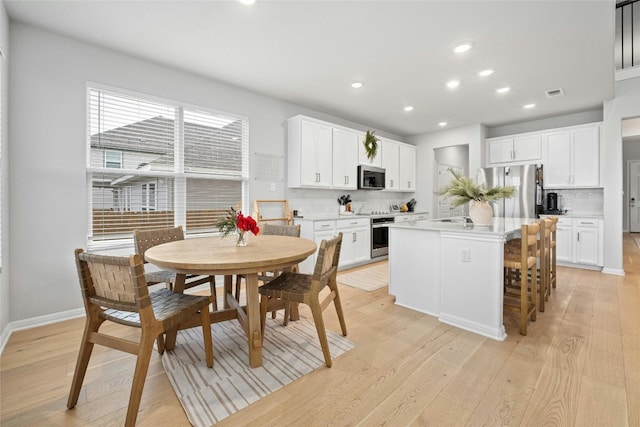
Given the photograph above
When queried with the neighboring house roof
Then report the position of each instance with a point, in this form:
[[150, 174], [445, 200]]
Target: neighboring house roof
[[159, 139]]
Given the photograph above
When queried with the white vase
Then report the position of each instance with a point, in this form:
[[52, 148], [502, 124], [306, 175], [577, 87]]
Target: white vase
[[480, 212]]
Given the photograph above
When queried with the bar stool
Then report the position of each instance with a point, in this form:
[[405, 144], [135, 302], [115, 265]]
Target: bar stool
[[524, 260], [543, 254], [553, 244]]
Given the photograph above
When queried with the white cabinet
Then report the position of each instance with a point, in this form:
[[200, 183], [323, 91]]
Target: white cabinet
[[407, 173], [399, 162], [345, 159], [310, 153], [356, 240], [580, 241], [391, 163], [588, 239], [362, 153], [571, 157], [514, 149]]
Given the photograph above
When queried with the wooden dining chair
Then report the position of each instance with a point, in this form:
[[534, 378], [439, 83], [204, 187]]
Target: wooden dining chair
[[114, 289], [266, 277], [524, 261], [145, 239], [305, 288]]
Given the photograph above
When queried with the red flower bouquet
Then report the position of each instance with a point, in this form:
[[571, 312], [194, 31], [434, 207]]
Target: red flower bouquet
[[235, 221]]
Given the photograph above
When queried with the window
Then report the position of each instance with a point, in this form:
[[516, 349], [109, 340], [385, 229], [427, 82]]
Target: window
[[112, 159], [157, 163]]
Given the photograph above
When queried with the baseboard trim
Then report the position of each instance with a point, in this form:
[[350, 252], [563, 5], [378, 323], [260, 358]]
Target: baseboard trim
[[34, 322], [614, 271]]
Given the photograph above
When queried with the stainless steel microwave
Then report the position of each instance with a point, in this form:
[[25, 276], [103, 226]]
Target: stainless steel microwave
[[370, 178]]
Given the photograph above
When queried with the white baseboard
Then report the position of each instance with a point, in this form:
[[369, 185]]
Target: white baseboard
[[614, 271], [38, 321]]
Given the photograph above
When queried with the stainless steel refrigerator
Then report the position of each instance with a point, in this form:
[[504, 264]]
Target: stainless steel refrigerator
[[527, 179]]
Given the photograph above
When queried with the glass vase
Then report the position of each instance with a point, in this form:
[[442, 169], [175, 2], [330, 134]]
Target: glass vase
[[242, 237]]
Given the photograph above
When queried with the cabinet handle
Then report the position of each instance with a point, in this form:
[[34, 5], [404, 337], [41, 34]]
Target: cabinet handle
[[355, 237], [325, 225], [392, 183], [354, 223], [578, 236], [408, 184]]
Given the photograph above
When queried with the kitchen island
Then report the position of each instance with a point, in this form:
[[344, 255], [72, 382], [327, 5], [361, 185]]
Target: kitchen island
[[452, 270]]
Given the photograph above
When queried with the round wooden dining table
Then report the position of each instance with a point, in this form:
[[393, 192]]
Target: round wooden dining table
[[220, 256]]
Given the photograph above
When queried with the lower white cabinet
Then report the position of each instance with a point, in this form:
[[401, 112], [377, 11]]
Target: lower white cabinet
[[580, 241], [356, 239]]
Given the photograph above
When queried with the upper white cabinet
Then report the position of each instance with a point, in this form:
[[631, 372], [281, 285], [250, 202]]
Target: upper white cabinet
[[407, 178], [571, 157], [310, 153], [391, 163], [345, 159], [362, 153], [514, 149]]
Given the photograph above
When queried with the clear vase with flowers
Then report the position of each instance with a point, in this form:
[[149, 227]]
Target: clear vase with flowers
[[242, 225]]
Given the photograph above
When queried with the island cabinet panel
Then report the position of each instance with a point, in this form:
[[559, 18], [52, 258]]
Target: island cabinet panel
[[416, 270]]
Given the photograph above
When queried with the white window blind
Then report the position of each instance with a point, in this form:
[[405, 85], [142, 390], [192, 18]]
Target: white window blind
[[156, 164]]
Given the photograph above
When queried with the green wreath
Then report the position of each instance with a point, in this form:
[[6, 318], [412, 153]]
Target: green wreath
[[371, 144]]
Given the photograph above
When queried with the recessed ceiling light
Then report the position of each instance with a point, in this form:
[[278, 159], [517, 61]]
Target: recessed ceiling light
[[408, 108], [356, 85], [442, 124], [462, 47], [247, 2], [485, 73], [529, 106], [453, 84], [503, 90]]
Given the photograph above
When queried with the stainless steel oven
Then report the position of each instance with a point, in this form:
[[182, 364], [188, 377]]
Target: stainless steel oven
[[380, 235]]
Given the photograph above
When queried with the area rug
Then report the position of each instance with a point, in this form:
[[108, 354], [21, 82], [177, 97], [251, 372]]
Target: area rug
[[368, 279], [210, 395]]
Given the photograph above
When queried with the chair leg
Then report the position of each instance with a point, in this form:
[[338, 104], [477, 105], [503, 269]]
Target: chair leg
[[264, 304], [139, 376], [316, 310], [83, 360], [206, 335], [338, 304], [160, 343], [214, 295], [524, 304], [287, 312]]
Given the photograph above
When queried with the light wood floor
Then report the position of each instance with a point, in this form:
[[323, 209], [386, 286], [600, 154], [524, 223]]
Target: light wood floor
[[579, 366]]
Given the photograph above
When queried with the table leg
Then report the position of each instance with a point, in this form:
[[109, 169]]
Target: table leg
[[228, 286], [178, 286], [253, 321]]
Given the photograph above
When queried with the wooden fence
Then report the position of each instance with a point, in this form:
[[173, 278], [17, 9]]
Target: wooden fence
[[114, 222]]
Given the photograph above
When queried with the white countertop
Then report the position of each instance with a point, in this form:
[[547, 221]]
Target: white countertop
[[330, 217], [572, 214], [499, 227]]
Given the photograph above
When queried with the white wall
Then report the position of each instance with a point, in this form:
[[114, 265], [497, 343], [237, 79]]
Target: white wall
[[49, 74], [4, 189], [626, 104], [473, 136]]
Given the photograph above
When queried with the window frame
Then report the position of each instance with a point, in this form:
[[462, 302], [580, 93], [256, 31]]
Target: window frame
[[179, 175]]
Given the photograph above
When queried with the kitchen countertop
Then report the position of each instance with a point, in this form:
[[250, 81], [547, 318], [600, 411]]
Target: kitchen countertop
[[572, 214], [499, 227]]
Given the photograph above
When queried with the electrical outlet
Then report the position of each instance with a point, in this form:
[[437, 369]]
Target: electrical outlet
[[273, 186], [465, 255]]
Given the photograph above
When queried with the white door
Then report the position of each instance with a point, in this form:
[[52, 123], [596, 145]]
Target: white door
[[445, 210], [634, 196]]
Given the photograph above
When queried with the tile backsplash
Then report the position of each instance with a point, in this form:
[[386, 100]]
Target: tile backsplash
[[588, 200], [314, 202]]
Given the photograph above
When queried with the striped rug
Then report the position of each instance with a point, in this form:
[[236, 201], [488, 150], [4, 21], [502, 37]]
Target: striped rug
[[210, 395], [368, 279]]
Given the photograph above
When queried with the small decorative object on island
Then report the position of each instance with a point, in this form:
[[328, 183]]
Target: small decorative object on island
[[371, 144], [239, 223], [464, 190]]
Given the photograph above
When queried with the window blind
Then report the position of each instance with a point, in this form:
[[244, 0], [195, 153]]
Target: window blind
[[159, 164]]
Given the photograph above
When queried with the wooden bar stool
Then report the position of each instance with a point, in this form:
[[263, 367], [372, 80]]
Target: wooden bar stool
[[553, 244], [524, 260], [543, 254]]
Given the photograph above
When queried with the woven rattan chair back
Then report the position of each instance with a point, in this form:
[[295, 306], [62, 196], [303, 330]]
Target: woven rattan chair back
[[281, 230], [115, 289], [326, 264], [145, 239]]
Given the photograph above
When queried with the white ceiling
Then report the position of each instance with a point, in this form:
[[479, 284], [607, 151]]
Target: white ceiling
[[309, 52]]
